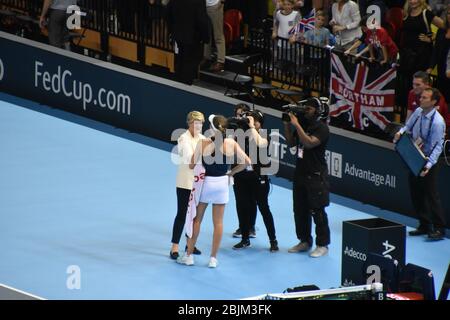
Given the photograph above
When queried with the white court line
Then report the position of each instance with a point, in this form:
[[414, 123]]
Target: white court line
[[21, 292]]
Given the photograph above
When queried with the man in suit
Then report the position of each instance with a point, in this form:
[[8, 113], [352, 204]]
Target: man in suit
[[188, 26]]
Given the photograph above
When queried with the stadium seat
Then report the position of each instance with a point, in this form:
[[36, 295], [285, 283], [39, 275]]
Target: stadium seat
[[395, 16], [234, 18], [391, 30], [228, 34]]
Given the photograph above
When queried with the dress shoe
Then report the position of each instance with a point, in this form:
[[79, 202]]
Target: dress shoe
[[196, 251], [300, 247], [417, 232], [274, 246], [217, 67], [174, 255], [436, 235]]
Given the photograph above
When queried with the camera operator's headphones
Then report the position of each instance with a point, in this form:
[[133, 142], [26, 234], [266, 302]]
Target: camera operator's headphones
[[321, 109]]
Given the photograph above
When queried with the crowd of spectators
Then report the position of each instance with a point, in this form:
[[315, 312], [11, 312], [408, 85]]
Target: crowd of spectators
[[417, 40]]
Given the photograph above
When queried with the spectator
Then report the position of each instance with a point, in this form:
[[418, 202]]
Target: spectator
[[422, 81], [285, 23], [379, 44], [56, 13], [188, 24], [319, 36], [345, 23], [416, 45], [439, 57], [214, 8]]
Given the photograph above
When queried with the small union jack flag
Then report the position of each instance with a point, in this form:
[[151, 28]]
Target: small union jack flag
[[306, 23]]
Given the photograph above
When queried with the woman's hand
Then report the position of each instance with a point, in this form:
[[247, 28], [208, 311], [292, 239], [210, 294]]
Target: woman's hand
[[251, 122], [423, 37], [337, 28]]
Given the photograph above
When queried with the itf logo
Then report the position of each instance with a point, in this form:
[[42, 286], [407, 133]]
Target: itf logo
[[2, 70], [334, 161]]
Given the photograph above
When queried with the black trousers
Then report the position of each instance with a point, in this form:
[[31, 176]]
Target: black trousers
[[187, 61], [310, 200], [57, 29], [251, 191], [180, 219], [426, 201]]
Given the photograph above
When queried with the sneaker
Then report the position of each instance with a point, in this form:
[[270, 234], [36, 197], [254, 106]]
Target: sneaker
[[252, 233], [417, 232], [318, 252], [217, 67], [237, 233], [242, 245], [274, 246], [300, 247], [436, 235], [213, 263], [187, 260]]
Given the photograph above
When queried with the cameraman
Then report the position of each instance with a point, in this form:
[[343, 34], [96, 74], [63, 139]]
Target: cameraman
[[239, 111], [251, 188], [311, 188]]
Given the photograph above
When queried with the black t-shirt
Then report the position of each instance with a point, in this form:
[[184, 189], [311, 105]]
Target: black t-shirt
[[262, 159], [313, 160], [412, 27]]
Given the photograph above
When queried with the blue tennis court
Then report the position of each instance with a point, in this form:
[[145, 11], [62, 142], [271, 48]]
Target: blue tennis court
[[75, 192]]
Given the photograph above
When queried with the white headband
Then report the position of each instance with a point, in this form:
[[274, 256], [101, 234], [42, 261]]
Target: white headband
[[210, 119]]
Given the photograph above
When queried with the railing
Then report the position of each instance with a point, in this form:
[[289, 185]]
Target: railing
[[136, 20], [309, 66], [139, 22]]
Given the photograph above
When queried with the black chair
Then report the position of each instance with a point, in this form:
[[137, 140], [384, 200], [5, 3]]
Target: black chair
[[309, 73], [389, 271], [443, 294], [241, 80], [417, 279], [263, 90], [288, 73]]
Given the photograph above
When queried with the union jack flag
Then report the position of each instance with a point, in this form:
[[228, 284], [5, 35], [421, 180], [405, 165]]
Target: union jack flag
[[361, 93], [306, 23]]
